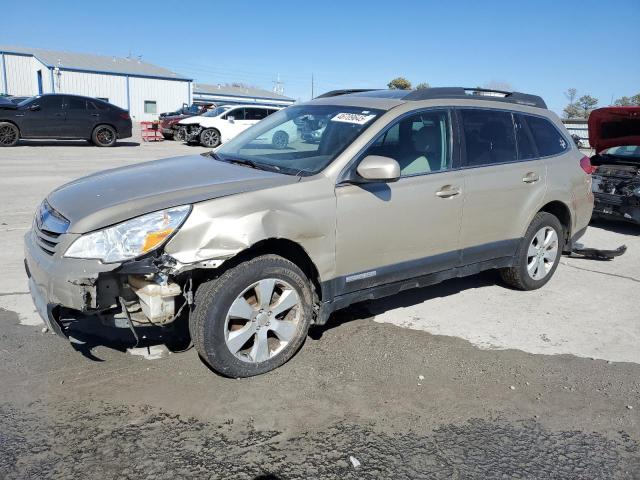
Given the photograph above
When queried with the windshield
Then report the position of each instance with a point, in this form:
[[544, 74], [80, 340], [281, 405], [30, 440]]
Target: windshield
[[215, 112], [631, 152], [300, 140]]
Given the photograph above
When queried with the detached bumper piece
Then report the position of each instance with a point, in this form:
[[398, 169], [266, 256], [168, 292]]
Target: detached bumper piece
[[581, 251]]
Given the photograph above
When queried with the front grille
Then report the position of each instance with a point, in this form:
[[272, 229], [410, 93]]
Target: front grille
[[49, 224], [46, 240], [609, 198]]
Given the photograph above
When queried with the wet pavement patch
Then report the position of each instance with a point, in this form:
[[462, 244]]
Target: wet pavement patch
[[104, 441]]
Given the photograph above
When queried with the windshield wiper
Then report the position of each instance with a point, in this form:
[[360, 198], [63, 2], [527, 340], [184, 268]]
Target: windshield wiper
[[258, 166]]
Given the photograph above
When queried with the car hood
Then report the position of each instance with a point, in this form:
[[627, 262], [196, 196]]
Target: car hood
[[190, 120], [112, 196], [614, 127]]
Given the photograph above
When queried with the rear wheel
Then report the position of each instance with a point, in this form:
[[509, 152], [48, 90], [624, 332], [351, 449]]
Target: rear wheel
[[538, 254], [9, 134], [210, 137], [104, 136], [253, 318]]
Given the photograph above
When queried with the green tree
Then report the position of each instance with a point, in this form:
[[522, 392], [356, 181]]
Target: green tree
[[587, 103], [628, 101], [399, 83], [422, 85], [572, 110]]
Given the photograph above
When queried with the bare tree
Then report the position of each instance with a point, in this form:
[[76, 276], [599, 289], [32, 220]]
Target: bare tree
[[422, 85], [499, 85]]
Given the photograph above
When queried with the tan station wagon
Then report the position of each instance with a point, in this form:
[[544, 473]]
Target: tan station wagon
[[376, 192]]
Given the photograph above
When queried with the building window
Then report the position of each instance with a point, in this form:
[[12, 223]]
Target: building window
[[150, 106]]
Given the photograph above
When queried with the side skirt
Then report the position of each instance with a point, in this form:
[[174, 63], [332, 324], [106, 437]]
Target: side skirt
[[343, 301]]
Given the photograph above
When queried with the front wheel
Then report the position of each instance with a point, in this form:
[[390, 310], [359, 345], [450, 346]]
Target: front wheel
[[210, 137], [253, 318], [104, 136], [280, 140], [538, 254], [9, 134]]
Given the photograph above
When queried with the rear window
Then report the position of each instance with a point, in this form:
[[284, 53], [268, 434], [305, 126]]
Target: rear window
[[546, 135]]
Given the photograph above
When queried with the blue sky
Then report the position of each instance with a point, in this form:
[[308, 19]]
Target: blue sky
[[541, 47]]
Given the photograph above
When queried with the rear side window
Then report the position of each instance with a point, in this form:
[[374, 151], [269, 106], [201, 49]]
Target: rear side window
[[255, 113], [489, 137], [546, 135], [75, 103], [94, 105], [526, 146]]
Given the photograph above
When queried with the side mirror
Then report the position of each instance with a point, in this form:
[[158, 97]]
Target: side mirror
[[374, 168], [34, 108], [231, 119]]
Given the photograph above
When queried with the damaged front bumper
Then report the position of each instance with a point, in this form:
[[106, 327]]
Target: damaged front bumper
[[621, 207], [187, 133], [65, 290]]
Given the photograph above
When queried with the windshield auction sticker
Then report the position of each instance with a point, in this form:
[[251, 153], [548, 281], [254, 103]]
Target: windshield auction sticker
[[356, 118]]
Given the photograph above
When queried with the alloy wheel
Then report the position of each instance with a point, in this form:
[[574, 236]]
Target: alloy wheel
[[542, 253], [8, 135], [263, 320], [210, 138], [104, 136]]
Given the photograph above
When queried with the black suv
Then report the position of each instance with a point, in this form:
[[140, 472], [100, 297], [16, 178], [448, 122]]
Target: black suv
[[62, 116]]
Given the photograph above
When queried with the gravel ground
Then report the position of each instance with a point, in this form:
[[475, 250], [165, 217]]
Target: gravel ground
[[382, 391]]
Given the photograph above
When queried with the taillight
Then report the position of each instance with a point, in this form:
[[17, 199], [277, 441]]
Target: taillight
[[585, 164], [125, 116]]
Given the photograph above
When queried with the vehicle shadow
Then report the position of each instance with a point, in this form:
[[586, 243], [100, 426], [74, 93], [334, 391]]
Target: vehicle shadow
[[85, 336], [68, 143], [616, 226], [407, 298]]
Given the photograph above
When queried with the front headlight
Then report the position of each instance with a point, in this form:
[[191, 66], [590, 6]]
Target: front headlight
[[129, 239]]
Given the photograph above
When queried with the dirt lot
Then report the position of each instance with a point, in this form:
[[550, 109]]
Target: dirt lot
[[467, 379]]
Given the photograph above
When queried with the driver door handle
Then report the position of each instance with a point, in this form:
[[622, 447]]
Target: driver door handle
[[448, 191], [531, 177]]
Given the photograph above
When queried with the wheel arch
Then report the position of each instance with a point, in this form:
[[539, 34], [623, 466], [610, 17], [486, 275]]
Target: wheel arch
[[562, 212], [103, 124], [285, 248], [12, 122]]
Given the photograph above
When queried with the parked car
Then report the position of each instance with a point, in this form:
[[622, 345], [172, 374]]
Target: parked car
[[187, 110], [251, 245], [171, 128], [168, 120], [62, 116], [220, 126], [614, 134]]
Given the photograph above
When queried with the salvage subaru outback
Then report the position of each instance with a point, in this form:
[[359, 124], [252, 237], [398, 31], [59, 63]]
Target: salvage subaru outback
[[251, 244]]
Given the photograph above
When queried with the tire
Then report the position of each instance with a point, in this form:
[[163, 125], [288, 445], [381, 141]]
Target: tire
[[210, 137], [538, 255], [9, 134], [167, 136], [104, 136], [280, 140], [179, 135], [214, 321]]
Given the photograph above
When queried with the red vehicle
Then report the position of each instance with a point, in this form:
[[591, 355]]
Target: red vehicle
[[614, 134], [167, 120]]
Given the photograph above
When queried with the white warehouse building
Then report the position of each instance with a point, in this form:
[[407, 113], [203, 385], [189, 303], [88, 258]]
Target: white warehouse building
[[144, 89]]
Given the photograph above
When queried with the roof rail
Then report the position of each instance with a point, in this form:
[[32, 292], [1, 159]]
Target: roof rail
[[477, 94], [336, 93]]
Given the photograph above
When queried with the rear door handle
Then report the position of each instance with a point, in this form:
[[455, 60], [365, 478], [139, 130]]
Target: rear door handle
[[531, 177], [95, 114], [448, 191]]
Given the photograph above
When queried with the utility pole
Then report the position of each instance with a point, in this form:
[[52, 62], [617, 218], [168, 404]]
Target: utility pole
[[312, 86]]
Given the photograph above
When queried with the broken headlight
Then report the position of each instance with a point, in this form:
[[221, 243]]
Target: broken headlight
[[129, 239]]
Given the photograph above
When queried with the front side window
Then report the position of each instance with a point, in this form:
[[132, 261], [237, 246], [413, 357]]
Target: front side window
[[547, 137], [489, 137], [419, 143], [299, 140], [214, 112], [236, 113], [49, 102], [150, 106]]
